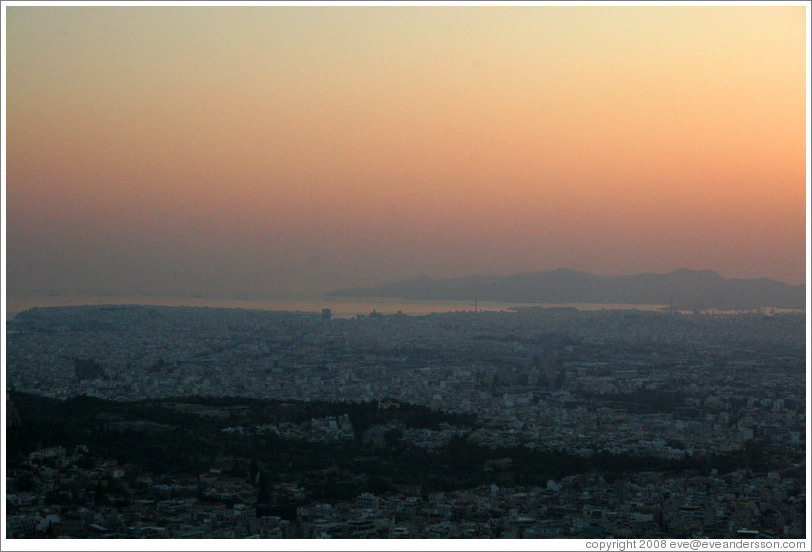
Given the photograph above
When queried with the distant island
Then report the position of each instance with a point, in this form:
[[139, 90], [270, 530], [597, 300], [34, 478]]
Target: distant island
[[682, 289]]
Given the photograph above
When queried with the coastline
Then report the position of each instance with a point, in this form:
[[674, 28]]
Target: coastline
[[341, 307]]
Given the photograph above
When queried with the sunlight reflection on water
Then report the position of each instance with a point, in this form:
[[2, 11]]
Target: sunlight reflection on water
[[342, 307]]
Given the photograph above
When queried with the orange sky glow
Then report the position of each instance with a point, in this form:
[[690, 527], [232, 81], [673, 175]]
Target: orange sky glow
[[274, 148]]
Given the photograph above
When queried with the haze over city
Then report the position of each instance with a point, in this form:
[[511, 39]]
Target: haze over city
[[406, 272], [268, 149]]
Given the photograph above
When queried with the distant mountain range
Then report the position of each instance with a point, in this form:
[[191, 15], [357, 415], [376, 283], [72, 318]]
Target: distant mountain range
[[685, 289]]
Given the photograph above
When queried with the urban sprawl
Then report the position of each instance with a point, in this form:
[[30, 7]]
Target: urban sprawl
[[615, 384]]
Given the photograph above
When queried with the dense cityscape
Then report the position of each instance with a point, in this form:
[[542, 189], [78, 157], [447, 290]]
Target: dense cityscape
[[531, 273], [532, 423]]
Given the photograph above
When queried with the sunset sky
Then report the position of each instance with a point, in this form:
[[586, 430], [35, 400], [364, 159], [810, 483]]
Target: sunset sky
[[268, 149]]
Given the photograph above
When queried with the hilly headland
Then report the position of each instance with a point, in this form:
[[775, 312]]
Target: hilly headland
[[680, 289]]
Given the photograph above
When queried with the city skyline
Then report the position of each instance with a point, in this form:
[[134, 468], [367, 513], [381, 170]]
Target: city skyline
[[476, 272], [270, 148]]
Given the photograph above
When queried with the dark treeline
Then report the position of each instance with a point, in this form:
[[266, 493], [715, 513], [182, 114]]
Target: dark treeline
[[156, 436]]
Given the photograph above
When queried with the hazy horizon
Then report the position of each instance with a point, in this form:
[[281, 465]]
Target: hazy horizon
[[279, 150], [292, 292]]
